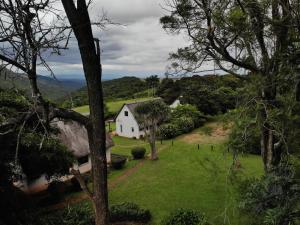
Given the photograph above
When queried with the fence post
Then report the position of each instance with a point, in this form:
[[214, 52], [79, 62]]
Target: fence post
[[172, 142], [198, 147]]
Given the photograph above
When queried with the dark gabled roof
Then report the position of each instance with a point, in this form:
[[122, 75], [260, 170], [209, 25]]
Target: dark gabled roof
[[74, 137]]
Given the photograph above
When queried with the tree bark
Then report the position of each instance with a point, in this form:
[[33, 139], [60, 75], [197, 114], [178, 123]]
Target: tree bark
[[90, 55]]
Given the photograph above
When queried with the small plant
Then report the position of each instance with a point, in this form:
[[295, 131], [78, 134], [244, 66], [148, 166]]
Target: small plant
[[138, 152], [185, 217], [129, 212], [118, 161]]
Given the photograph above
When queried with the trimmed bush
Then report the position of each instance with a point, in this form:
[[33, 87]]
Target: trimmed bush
[[138, 152], [129, 212], [168, 131], [185, 217], [118, 161]]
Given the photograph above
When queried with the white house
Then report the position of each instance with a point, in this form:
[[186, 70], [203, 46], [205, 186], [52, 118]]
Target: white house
[[127, 124], [176, 103], [74, 137]]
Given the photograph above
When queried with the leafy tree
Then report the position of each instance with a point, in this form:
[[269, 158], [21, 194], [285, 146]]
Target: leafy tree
[[152, 82], [190, 111], [168, 90], [152, 114], [273, 199], [24, 45], [258, 36], [25, 150]]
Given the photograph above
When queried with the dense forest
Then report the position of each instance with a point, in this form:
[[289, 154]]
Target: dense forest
[[125, 87]]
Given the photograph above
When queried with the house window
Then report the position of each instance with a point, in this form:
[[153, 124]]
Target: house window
[[121, 128], [132, 129], [126, 113], [83, 160]]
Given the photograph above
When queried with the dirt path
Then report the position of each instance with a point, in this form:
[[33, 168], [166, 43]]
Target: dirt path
[[217, 134]]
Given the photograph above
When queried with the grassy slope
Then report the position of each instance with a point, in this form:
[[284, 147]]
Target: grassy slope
[[186, 177], [113, 106]]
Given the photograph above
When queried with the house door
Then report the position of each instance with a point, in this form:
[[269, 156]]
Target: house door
[[121, 128]]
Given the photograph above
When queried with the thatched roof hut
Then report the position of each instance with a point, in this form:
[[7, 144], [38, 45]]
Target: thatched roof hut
[[74, 136]]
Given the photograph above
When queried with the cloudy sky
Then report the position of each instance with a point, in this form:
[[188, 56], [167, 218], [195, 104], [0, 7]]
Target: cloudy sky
[[139, 47]]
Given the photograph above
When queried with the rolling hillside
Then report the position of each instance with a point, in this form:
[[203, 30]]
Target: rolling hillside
[[121, 88], [50, 88]]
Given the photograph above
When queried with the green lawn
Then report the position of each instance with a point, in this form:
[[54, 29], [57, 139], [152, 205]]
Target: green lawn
[[113, 106], [185, 177]]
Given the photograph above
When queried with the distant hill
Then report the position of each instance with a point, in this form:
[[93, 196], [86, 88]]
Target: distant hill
[[121, 88], [51, 88]]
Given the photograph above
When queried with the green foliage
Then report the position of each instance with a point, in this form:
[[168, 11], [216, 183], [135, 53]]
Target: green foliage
[[185, 217], [80, 214], [184, 124], [129, 212], [118, 161], [245, 136], [169, 130], [168, 90], [274, 197], [184, 118], [154, 111], [50, 157], [189, 111], [125, 88], [210, 94], [138, 152]]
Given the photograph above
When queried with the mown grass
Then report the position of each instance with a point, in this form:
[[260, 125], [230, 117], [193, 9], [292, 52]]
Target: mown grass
[[185, 177], [113, 106]]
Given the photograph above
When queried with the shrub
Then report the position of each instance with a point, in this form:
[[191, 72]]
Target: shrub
[[168, 131], [118, 161], [138, 152], [189, 111], [129, 212], [80, 214], [185, 124], [185, 217]]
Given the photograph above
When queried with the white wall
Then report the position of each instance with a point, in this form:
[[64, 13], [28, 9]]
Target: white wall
[[127, 123], [175, 104]]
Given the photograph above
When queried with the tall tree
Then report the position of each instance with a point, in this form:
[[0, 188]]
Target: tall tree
[[258, 36], [151, 114], [26, 35], [89, 48], [152, 82]]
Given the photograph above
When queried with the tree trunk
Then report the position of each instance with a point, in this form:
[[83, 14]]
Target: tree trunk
[[267, 133], [152, 143], [90, 55]]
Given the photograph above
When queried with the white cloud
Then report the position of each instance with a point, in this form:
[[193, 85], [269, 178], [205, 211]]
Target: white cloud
[[141, 47]]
